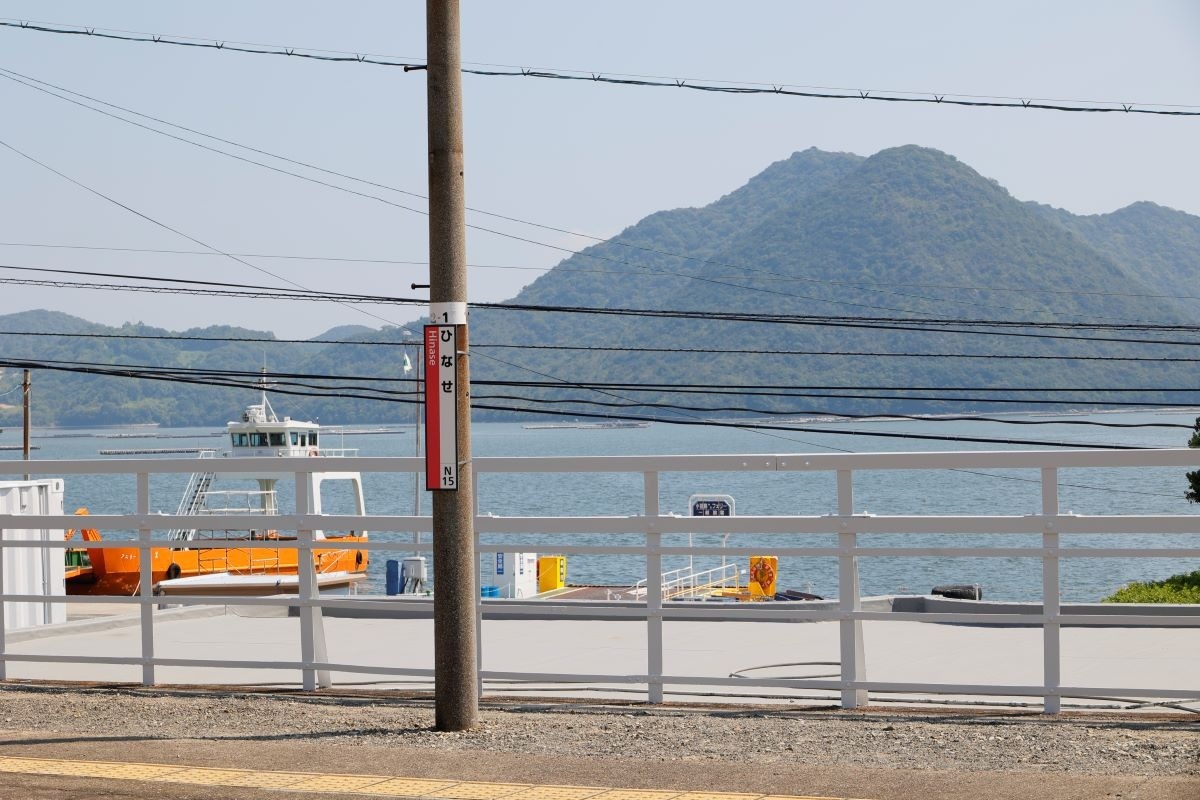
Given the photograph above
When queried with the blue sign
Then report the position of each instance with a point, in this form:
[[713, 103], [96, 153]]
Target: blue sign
[[499, 563]]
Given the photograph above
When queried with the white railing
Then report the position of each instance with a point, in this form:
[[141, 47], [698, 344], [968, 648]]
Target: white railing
[[651, 524], [688, 582]]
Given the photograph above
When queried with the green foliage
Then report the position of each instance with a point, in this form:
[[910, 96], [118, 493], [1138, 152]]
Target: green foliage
[[1193, 478], [908, 231], [1183, 588]]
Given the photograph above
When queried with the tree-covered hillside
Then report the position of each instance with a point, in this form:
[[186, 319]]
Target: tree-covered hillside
[[907, 234]]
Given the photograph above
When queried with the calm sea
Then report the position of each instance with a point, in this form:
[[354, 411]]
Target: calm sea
[[1156, 491]]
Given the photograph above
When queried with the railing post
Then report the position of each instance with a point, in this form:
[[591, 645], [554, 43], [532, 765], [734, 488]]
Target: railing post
[[654, 594], [853, 655], [312, 628], [478, 593], [1051, 608], [145, 580], [3, 609]]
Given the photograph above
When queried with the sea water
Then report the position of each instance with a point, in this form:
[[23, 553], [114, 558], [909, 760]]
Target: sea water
[[968, 492]]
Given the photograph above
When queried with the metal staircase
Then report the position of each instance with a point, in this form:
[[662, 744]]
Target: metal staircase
[[192, 502]]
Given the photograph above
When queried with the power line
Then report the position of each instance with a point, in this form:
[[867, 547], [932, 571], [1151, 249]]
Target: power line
[[165, 226], [39, 85], [780, 278], [831, 431], [838, 353], [723, 87], [252, 380], [825, 415], [931, 322], [978, 327], [617, 349], [688, 276], [340, 259], [742, 390]]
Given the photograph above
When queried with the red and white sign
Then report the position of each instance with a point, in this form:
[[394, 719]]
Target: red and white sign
[[441, 409]]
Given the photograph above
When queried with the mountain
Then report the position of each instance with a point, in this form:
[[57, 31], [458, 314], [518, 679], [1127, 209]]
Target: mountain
[[1158, 244], [908, 232], [905, 234]]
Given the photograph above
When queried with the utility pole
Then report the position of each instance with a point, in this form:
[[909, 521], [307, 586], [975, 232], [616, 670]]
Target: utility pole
[[455, 564], [25, 399]]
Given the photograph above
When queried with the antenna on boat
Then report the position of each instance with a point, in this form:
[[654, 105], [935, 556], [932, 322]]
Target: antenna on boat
[[268, 412]]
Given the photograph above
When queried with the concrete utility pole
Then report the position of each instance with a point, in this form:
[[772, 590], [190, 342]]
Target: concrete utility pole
[[456, 698]]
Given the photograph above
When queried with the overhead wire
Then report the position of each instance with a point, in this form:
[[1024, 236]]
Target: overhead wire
[[781, 277], [367, 383], [159, 38], [560, 248], [773, 432], [161, 224], [724, 87], [39, 85], [971, 327], [933, 323], [606, 348], [248, 379]]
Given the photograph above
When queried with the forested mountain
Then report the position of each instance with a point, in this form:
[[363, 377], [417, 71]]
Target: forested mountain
[[1159, 245], [908, 233]]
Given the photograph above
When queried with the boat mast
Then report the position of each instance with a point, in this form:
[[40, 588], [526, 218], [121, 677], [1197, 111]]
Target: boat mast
[[268, 412]]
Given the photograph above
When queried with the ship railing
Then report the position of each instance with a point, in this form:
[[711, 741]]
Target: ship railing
[[1161, 640], [337, 452], [240, 501], [689, 582]]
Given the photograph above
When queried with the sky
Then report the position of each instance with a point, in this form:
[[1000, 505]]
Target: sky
[[576, 156]]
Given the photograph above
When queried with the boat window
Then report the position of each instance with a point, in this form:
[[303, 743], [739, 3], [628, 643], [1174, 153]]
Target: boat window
[[258, 439], [312, 438], [239, 440], [277, 440], [295, 438]]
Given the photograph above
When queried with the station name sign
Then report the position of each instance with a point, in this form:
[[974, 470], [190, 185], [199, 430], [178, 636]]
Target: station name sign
[[441, 409]]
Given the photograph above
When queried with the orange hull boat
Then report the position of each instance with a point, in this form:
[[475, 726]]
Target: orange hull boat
[[117, 570], [259, 433]]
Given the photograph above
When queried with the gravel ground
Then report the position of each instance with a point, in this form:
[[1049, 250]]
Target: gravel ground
[[1096, 744]]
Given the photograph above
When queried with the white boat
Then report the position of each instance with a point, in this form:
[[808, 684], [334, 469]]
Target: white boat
[[225, 583], [211, 553]]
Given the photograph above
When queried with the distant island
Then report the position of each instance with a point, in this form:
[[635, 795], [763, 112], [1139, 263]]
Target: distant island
[[909, 232]]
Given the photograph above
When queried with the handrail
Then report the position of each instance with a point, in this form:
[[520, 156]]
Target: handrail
[[847, 524]]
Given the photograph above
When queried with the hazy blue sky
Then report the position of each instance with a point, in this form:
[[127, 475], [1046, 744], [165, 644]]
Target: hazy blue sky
[[577, 156]]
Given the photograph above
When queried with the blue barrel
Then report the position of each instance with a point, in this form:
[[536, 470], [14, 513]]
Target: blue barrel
[[391, 579], [489, 591]]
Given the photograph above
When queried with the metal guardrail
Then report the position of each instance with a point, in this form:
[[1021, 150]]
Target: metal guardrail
[[847, 524]]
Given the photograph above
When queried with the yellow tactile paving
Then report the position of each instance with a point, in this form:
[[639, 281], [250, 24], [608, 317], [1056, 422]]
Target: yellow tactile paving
[[636, 794], [266, 780], [139, 772], [468, 790], [557, 793], [202, 776], [406, 787], [376, 785], [336, 783]]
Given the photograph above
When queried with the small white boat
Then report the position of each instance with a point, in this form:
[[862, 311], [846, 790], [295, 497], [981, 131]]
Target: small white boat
[[226, 583]]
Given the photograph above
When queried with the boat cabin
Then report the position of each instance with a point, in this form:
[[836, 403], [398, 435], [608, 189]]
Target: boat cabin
[[261, 433]]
